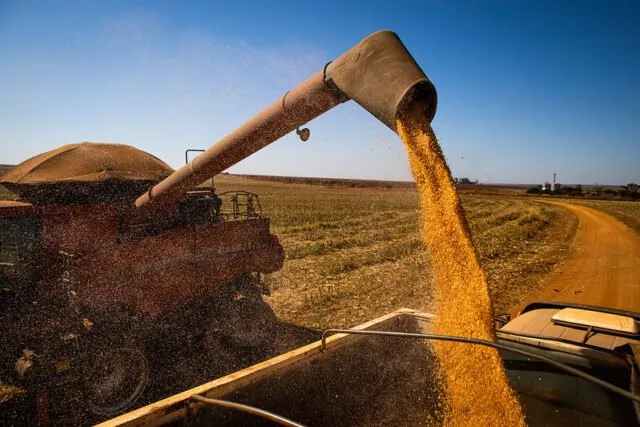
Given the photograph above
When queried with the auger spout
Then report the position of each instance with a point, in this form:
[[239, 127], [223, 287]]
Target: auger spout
[[378, 73]]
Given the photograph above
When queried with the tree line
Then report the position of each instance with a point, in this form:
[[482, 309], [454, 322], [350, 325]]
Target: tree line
[[630, 191]]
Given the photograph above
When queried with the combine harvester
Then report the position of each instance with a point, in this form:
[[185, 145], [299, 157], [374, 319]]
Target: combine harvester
[[171, 260]]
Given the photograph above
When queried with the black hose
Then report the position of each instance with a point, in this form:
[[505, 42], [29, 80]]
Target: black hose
[[249, 409], [560, 366]]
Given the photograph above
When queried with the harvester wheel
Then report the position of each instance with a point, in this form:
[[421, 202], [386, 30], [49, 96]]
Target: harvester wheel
[[114, 379]]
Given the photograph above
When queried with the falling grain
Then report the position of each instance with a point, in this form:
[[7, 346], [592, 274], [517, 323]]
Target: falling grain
[[476, 387]]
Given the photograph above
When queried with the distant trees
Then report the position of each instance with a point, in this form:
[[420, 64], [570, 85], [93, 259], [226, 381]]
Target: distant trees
[[571, 191], [596, 191], [630, 191], [565, 190], [535, 190]]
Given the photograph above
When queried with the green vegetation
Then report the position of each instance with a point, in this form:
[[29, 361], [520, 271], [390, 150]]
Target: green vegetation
[[565, 190], [630, 191]]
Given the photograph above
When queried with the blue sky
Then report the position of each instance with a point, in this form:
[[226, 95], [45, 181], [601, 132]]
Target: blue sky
[[526, 88]]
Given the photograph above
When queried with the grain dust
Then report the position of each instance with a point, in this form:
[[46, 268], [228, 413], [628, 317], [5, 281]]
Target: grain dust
[[475, 383]]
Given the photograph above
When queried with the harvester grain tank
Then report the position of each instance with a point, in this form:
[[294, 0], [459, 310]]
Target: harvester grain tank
[[107, 245]]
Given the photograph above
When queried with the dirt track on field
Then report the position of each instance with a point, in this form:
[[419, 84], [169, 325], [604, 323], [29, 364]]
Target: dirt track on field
[[605, 267]]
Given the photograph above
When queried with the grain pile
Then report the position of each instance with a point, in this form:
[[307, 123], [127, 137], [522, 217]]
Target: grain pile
[[476, 387]]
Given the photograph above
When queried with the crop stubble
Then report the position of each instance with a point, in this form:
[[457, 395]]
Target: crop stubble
[[355, 253]]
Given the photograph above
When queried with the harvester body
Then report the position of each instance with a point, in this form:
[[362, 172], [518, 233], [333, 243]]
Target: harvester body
[[86, 231]]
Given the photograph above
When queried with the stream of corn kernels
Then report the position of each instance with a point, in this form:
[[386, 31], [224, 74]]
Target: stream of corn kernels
[[476, 389]]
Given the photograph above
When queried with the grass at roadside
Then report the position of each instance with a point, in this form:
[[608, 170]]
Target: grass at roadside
[[355, 253], [627, 212]]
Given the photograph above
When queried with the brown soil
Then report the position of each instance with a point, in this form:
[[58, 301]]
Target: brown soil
[[605, 267]]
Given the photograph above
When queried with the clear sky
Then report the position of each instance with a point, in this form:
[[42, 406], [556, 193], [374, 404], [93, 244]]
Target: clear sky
[[526, 88]]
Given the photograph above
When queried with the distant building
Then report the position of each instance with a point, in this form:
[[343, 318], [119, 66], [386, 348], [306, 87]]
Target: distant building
[[552, 186]]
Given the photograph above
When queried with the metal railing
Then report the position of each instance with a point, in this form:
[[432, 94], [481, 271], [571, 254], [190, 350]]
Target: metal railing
[[491, 344], [243, 205], [248, 409]]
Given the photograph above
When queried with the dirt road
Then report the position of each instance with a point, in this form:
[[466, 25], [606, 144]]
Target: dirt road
[[605, 267]]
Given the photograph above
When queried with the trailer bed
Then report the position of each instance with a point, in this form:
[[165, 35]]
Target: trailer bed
[[363, 380]]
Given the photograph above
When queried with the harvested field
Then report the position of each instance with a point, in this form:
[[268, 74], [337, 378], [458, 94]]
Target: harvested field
[[355, 253]]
